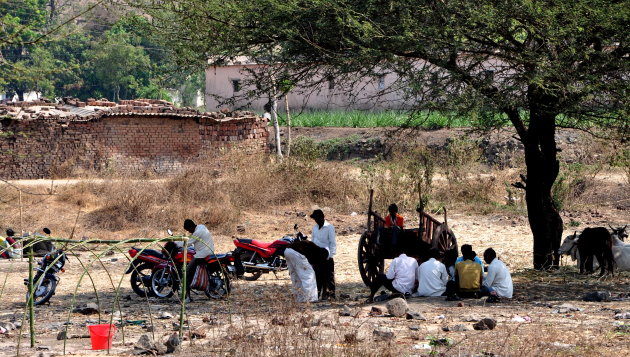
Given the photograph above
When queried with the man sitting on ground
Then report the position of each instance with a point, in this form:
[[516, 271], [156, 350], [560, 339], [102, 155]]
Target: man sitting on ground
[[498, 282], [400, 277], [468, 275], [432, 276], [467, 249]]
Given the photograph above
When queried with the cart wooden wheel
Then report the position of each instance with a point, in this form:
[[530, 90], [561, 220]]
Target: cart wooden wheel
[[444, 239], [370, 265]]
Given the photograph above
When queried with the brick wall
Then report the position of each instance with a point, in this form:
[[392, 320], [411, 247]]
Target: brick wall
[[128, 143]]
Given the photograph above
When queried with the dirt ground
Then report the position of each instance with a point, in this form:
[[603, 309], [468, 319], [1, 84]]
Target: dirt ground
[[259, 315]]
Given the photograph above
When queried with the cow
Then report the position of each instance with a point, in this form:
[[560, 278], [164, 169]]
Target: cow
[[620, 232], [620, 251], [591, 244]]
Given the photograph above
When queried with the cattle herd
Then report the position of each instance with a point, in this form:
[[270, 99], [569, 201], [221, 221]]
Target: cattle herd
[[598, 246]]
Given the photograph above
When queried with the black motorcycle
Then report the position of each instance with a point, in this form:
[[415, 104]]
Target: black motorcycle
[[46, 278]]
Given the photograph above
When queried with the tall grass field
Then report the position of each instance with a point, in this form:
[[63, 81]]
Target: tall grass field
[[365, 119]]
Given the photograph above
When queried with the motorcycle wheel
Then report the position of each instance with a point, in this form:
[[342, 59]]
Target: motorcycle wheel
[[219, 285], [251, 275], [164, 282], [44, 292], [139, 275]]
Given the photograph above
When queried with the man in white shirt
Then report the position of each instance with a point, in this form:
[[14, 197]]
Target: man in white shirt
[[498, 282], [400, 277], [201, 240], [324, 236], [432, 276]]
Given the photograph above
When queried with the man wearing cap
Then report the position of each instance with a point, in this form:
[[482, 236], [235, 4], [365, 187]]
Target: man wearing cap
[[324, 236]]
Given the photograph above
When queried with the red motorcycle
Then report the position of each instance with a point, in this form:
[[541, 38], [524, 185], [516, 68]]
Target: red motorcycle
[[252, 258], [148, 260], [165, 280]]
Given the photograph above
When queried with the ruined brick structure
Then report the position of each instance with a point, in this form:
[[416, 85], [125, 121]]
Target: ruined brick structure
[[41, 139]]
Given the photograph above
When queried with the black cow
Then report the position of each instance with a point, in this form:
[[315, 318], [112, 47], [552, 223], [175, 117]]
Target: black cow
[[596, 242]]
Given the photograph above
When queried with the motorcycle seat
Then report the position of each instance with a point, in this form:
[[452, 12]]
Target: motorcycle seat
[[260, 244], [153, 253]]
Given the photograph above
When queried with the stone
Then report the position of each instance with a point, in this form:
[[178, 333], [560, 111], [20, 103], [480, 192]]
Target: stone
[[144, 346], [87, 309], [397, 307], [376, 311], [485, 324], [9, 326], [622, 315], [414, 327], [199, 332], [597, 296], [165, 315], [345, 311], [413, 315], [350, 338], [565, 308], [470, 318], [61, 335], [460, 304], [240, 228], [459, 328], [173, 343], [383, 334]]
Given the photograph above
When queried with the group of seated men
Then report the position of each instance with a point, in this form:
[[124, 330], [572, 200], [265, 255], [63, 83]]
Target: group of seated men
[[463, 278]]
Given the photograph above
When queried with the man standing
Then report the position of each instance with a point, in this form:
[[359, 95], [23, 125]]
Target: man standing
[[498, 282], [400, 277], [432, 276], [201, 240], [324, 236]]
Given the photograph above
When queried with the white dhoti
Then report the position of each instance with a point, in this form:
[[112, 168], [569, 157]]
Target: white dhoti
[[302, 276]]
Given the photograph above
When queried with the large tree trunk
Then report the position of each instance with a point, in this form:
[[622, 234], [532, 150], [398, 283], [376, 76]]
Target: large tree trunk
[[542, 171]]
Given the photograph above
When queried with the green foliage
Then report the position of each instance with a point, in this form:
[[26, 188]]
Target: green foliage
[[370, 119], [306, 148], [121, 62]]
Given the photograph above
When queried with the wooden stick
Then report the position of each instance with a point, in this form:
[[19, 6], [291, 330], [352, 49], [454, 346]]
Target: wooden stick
[[369, 222]]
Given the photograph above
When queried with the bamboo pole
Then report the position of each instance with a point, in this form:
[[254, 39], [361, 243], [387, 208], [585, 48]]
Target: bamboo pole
[[182, 288], [31, 297]]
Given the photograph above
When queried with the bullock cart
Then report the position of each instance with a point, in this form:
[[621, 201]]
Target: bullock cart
[[376, 244]]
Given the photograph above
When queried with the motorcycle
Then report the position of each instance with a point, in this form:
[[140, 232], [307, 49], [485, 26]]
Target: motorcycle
[[46, 278], [165, 280], [148, 260], [253, 257]]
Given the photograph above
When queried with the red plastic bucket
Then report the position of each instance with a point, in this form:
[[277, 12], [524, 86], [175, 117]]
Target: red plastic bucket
[[102, 336]]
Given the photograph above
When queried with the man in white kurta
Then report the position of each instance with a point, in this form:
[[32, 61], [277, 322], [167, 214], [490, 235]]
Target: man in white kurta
[[432, 276], [324, 236], [498, 282], [400, 277]]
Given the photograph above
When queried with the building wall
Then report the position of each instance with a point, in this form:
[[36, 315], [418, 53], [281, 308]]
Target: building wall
[[368, 94], [44, 148]]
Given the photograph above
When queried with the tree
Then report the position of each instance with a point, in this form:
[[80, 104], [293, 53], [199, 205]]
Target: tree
[[118, 67], [538, 64]]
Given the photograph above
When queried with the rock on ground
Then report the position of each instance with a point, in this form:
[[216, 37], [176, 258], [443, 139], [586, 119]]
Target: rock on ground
[[87, 309], [383, 334], [397, 307], [485, 324]]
